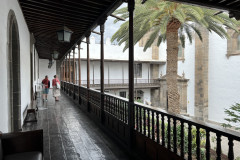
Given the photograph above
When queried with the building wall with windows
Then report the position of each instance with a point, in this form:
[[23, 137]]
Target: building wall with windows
[[116, 66], [206, 68]]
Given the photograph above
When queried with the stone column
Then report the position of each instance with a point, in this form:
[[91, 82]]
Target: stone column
[[201, 75]]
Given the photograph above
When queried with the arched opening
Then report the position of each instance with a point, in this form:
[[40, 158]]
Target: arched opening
[[14, 81]]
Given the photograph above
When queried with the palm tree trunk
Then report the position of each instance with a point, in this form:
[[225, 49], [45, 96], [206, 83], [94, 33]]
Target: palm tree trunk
[[172, 66]]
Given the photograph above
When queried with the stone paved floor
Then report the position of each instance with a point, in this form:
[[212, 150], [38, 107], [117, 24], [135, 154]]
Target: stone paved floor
[[69, 134]]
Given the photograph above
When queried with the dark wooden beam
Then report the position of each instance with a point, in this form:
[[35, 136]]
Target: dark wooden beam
[[119, 18], [131, 5], [102, 70], [79, 66]]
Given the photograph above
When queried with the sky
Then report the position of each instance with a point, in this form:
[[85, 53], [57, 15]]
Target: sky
[[110, 27]]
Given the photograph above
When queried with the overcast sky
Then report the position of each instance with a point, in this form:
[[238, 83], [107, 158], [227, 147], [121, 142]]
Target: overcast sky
[[110, 27]]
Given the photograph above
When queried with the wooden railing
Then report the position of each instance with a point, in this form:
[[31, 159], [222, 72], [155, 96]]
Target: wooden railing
[[157, 133], [117, 81]]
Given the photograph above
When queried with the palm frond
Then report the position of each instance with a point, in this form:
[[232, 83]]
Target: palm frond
[[155, 15]]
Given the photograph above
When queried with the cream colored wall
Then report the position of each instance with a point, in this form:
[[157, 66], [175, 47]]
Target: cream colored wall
[[24, 38], [114, 51]]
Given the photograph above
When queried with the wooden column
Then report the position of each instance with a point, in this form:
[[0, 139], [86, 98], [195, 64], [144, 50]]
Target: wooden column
[[93, 73], [79, 66], [88, 62], [74, 80], [63, 70], [102, 70], [69, 69], [65, 65], [88, 70], [131, 5]]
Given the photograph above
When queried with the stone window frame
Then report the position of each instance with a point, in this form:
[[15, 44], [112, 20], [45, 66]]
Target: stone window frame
[[138, 70], [232, 43], [182, 58], [13, 68]]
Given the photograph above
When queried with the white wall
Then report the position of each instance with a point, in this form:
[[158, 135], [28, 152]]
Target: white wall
[[188, 67], [112, 71], [35, 70], [24, 37], [224, 78], [44, 70], [114, 51]]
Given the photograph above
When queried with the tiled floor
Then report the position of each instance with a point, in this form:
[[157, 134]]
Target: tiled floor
[[69, 134]]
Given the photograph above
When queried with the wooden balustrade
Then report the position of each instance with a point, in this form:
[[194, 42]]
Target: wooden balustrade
[[157, 133]]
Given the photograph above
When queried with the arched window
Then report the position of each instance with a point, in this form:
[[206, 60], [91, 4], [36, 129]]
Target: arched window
[[14, 78], [233, 43]]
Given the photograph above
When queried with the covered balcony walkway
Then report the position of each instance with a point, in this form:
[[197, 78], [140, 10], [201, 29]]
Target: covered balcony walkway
[[69, 134], [84, 123]]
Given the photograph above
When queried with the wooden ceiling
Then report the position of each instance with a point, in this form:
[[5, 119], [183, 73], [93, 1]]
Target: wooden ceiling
[[45, 17]]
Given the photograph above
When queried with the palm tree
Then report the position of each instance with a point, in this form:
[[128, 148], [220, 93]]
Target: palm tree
[[170, 21]]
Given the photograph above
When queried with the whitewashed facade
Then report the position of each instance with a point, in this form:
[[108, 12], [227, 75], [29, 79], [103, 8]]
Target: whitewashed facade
[[12, 9], [223, 78]]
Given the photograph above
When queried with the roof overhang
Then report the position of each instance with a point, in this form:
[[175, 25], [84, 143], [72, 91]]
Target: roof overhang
[[44, 18]]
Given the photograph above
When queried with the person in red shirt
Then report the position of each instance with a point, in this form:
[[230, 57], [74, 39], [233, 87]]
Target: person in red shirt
[[46, 86], [56, 88]]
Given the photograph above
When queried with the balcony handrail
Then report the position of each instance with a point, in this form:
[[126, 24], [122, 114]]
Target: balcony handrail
[[146, 117], [213, 127]]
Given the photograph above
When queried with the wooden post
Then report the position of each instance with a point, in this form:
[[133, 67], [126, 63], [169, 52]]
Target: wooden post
[[60, 72], [108, 74], [79, 74], [88, 62], [93, 73], [131, 5], [79, 66], [74, 80], [88, 70], [64, 68], [69, 69], [102, 71]]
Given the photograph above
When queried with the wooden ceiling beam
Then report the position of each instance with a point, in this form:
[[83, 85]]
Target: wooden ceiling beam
[[81, 6], [32, 23], [40, 13], [93, 5], [44, 17], [59, 13]]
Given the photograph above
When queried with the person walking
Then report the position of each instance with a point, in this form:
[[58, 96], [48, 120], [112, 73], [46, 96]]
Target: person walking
[[56, 88], [46, 86]]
